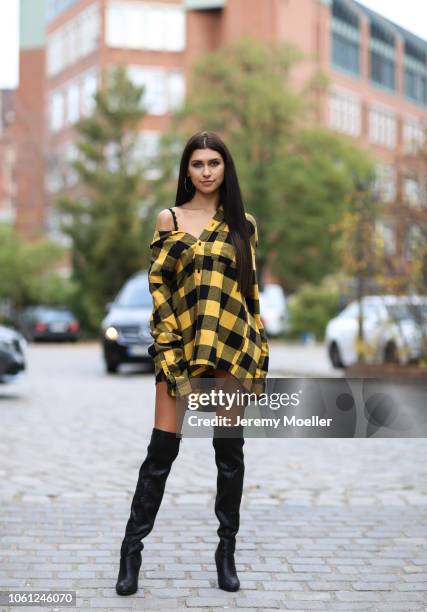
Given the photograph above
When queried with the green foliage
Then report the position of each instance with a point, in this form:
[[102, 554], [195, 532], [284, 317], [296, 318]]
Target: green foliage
[[104, 220], [295, 177], [27, 274], [310, 309], [317, 178]]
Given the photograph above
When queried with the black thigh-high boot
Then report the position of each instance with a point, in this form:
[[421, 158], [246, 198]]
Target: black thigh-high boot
[[161, 453], [229, 459]]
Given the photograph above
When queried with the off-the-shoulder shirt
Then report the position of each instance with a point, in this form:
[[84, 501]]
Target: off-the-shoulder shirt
[[200, 319]]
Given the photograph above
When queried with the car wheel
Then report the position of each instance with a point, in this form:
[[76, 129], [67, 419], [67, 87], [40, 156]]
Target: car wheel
[[390, 353], [335, 356], [112, 367]]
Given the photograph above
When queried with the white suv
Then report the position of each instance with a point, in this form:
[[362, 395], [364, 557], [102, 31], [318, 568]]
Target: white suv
[[394, 328], [273, 309]]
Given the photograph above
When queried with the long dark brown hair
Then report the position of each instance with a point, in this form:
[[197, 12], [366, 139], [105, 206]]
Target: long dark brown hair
[[230, 198]]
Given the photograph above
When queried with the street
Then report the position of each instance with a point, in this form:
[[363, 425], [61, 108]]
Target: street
[[330, 524]]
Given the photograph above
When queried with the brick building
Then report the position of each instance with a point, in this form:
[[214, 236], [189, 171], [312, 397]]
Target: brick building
[[28, 127], [378, 71], [7, 157]]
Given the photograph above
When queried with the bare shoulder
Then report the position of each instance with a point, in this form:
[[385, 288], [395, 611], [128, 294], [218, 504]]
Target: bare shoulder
[[164, 221]]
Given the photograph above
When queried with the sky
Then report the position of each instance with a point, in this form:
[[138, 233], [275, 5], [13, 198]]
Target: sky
[[411, 14]]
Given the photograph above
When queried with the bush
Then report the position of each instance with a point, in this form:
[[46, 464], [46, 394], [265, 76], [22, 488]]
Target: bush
[[311, 308]]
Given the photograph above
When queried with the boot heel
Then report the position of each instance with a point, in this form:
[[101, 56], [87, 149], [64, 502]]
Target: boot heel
[[229, 458], [127, 582], [153, 473], [226, 570]]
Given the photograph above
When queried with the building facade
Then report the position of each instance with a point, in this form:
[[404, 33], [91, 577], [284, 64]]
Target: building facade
[[7, 157], [28, 127], [378, 72]]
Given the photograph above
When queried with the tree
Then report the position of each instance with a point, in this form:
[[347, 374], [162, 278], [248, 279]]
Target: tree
[[104, 219], [294, 177], [27, 271]]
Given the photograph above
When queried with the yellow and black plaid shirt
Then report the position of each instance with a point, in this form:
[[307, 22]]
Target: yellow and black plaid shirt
[[200, 319]]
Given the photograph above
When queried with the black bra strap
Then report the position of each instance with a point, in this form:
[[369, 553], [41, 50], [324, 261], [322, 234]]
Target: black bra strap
[[174, 218]]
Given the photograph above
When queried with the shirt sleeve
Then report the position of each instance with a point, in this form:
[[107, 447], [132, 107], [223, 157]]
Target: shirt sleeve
[[253, 303], [167, 346]]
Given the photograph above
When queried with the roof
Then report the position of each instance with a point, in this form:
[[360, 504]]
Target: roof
[[410, 36]]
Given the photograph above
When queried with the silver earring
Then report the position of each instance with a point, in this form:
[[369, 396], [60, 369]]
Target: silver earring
[[185, 184]]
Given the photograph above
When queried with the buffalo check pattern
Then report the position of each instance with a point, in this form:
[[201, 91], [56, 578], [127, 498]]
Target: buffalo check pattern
[[200, 319]]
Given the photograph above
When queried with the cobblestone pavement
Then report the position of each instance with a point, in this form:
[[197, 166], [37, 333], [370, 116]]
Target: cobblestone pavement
[[326, 524]]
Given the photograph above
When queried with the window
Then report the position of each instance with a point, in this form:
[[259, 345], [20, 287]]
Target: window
[[345, 38], [174, 29], [68, 105], [145, 153], [145, 26], [89, 86], [386, 236], [382, 70], [342, 12], [70, 153], [147, 145], [67, 44], [385, 183], [164, 89], [414, 241], [176, 86], [382, 127], [53, 177], [154, 81], [415, 86], [73, 102], [89, 30], [54, 53], [412, 192], [56, 110], [153, 31], [60, 174], [350, 312], [75, 39], [413, 136], [345, 113], [382, 54], [53, 227], [415, 60]]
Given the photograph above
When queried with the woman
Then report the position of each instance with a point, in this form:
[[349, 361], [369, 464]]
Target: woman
[[205, 323]]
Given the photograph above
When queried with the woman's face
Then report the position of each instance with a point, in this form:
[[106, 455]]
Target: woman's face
[[206, 170]]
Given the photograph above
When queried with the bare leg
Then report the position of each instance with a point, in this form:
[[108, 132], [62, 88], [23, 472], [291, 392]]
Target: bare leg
[[168, 416], [230, 384], [153, 473]]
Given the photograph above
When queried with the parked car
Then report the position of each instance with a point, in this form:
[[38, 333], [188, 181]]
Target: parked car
[[12, 354], [125, 331], [273, 309], [48, 323], [394, 327]]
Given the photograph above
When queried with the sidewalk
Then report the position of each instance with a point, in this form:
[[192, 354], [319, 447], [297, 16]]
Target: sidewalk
[[326, 524], [289, 556]]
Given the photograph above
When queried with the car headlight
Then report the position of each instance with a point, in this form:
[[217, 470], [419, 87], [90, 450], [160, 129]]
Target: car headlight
[[111, 333]]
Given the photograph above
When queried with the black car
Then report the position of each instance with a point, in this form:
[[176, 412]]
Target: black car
[[12, 354], [48, 323], [125, 331]]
